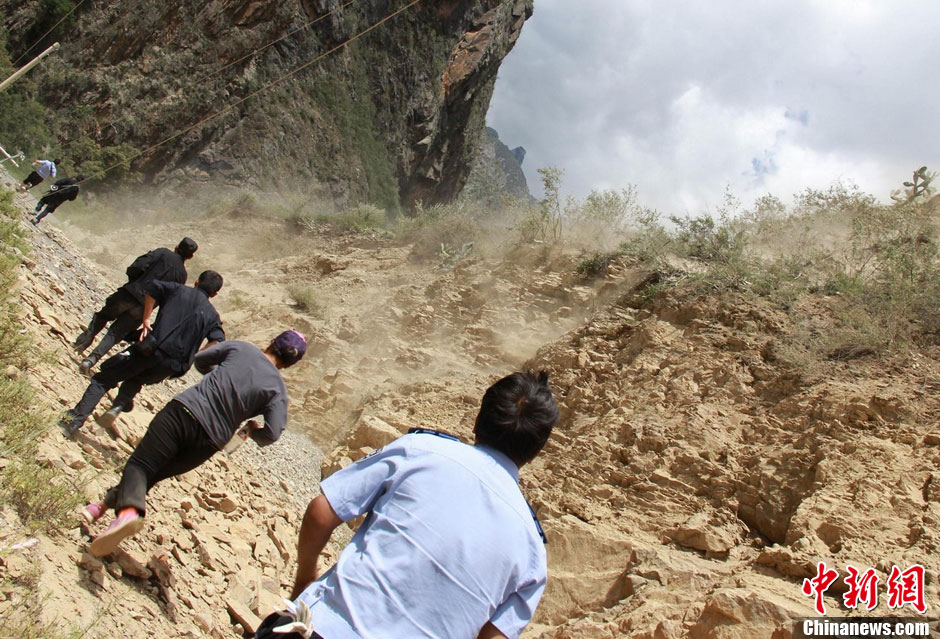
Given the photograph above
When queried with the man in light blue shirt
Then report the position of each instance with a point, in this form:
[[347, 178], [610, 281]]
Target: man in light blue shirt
[[449, 547], [42, 169]]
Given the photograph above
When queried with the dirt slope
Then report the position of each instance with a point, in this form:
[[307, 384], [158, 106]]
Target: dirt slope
[[221, 539], [692, 484], [694, 481]]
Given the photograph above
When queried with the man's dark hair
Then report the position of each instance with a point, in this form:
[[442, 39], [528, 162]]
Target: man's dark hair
[[186, 248], [210, 282], [517, 415], [57, 161]]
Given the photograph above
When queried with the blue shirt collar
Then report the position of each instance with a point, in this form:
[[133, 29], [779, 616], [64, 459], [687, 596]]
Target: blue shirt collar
[[500, 458]]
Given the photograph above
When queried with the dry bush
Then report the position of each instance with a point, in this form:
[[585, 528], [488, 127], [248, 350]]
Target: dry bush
[[874, 266], [306, 299], [443, 232]]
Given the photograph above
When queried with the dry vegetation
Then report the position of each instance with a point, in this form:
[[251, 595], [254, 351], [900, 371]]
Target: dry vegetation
[[870, 266], [33, 490], [41, 498], [867, 270]]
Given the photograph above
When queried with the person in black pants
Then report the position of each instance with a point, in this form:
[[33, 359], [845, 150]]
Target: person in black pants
[[42, 169], [125, 307], [241, 381], [64, 190], [165, 350]]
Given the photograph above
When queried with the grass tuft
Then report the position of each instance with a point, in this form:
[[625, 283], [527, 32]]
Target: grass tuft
[[306, 300]]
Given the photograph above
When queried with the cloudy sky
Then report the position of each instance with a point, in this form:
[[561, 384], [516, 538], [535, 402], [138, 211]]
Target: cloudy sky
[[684, 98]]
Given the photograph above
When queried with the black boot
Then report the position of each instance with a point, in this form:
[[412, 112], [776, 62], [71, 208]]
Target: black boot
[[70, 423], [88, 363]]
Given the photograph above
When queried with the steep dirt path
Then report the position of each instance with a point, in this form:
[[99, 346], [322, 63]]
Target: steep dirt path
[[384, 320]]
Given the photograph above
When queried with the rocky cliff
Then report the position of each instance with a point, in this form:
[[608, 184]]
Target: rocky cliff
[[393, 117], [497, 172]]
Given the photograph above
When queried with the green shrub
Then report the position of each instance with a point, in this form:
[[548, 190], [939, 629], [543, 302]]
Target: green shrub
[[543, 223], [647, 239], [362, 217], [706, 239], [23, 120], [596, 264], [84, 156], [49, 13], [608, 211]]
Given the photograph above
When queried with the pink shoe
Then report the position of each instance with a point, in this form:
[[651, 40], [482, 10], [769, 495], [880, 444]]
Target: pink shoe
[[127, 523], [93, 512]]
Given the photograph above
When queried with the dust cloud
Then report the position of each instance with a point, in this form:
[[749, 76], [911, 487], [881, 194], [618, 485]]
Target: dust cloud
[[383, 317]]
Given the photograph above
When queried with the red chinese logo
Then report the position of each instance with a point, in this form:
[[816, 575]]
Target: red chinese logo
[[862, 588], [907, 588], [904, 587], [819, 585]]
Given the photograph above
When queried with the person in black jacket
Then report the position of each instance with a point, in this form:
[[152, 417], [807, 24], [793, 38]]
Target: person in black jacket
[[125, 307], [165, 350], [64, 190]]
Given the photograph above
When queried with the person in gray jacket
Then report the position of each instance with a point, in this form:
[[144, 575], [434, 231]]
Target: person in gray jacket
[[241, 381]]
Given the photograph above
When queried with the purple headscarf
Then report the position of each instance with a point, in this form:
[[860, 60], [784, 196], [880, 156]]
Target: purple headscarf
[[290, 347]]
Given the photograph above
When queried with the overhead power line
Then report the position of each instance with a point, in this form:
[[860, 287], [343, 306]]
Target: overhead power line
[[264, 88], [282, 38]]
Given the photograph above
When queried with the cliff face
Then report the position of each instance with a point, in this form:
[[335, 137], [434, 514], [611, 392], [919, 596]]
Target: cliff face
[[395, 116]]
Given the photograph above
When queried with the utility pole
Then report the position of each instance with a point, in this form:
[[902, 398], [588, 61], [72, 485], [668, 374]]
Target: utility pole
[[28, 66]]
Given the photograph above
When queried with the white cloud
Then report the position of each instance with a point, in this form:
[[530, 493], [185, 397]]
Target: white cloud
[[683, 98]]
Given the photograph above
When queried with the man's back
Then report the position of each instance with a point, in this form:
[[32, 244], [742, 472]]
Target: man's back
[[243, 384], [159, 264], [45, 168], [449, 545], [186, 318]]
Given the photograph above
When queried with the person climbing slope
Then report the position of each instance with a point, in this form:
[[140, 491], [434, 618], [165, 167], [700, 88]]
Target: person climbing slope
[[42, 169], [125, 307], [64, 190], [165, 350], [241, 381], [448, 548]]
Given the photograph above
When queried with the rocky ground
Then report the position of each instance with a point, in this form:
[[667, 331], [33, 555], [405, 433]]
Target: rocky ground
[[694, 480], [218, 548]]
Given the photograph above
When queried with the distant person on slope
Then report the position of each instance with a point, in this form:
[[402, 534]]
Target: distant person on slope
[[64, 190], [449, 547], [125, 307], [42, 169], [165, 350], [240, 382]]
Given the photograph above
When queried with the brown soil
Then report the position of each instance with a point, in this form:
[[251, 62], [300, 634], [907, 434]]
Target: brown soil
[[694, 481]]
